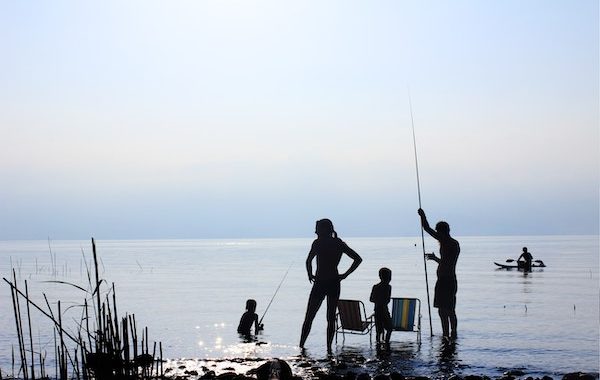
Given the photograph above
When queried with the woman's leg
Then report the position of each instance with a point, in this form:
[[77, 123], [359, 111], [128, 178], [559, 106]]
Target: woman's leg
[[333, 295], [314, 303]]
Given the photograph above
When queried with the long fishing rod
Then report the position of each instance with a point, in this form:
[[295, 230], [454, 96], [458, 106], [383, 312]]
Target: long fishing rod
[[276, 290], [419, 192]]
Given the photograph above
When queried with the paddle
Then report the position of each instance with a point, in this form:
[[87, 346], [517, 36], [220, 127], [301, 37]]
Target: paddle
[[510, 260]]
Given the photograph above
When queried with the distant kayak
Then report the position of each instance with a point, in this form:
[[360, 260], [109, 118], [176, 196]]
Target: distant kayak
[[519, 265]]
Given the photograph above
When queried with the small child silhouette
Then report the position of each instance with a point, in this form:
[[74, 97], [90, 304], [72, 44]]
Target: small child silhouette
[[248, 319], [380, 296]]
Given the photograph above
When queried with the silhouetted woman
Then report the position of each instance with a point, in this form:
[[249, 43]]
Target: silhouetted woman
[[328, 250], [446, 285]]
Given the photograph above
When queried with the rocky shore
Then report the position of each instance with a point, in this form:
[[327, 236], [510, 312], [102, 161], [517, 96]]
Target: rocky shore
[[299, 368]]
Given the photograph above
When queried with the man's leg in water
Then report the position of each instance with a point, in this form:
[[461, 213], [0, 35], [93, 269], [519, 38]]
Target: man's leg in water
[[445, 319], [453, 323]]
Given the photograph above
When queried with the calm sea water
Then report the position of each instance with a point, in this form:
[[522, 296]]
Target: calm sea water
[[191, 294]]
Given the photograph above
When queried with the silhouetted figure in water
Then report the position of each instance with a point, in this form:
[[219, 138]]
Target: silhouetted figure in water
[[248, 319], [380, 296], [328, 250], [446, 285], [527, 260]]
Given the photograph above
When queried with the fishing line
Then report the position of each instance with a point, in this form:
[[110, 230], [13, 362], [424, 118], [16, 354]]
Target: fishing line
[[419, 193], [276, 290]]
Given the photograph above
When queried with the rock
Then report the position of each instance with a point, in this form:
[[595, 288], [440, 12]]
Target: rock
[[547, 378], [192, 372], [381, 377], [143, 360], [274, 369], [350, 376], [514, 372], [455, 377], [363, 376], [421, 378], [208, 375], [473, 377], [341, 365], [507, 377], [397, 376], [579, 376], [227, 376]]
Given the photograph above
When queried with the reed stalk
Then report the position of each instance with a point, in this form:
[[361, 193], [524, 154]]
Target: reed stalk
[[19, 326], [30, 333], [97, 291]]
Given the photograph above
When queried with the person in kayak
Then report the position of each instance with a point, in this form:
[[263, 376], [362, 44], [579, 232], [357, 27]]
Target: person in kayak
[[527, 260], [446, 285], [327, 248]]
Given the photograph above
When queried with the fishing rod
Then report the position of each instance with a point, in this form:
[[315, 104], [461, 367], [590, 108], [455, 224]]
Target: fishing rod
[[419, 193], [276, 290]]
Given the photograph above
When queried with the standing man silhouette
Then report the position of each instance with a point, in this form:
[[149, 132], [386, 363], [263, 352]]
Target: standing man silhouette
[[328, 250], [446, 285]]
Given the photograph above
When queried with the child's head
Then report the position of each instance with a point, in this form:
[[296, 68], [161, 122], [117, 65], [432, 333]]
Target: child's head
[[251, 306], [324, 228], [385, 275]]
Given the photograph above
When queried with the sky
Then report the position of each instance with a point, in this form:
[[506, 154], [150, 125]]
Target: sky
[[244, 119]]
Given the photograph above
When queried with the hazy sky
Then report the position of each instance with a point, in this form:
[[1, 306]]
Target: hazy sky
[[192, 119]]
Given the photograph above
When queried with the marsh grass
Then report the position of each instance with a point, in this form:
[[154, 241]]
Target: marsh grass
[[101, 345]]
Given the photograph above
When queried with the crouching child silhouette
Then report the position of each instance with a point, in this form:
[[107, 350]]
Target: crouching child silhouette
[[380, 296], [248, 319]]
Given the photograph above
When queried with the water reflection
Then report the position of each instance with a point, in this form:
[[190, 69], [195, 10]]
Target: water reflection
[[402, 357], [447, 353]]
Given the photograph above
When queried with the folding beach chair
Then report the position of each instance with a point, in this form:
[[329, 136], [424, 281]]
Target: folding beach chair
[[406, 315], [352, 318]]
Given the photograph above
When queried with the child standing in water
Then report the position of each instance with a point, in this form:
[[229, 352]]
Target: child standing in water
[[248, 319], [380, 296]]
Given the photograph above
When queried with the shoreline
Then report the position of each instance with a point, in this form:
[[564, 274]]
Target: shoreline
[[306, 368]]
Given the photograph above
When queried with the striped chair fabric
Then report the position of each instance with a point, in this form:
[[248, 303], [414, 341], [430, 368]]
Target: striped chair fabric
[[406, 315], [403, 313], [351, 316]]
